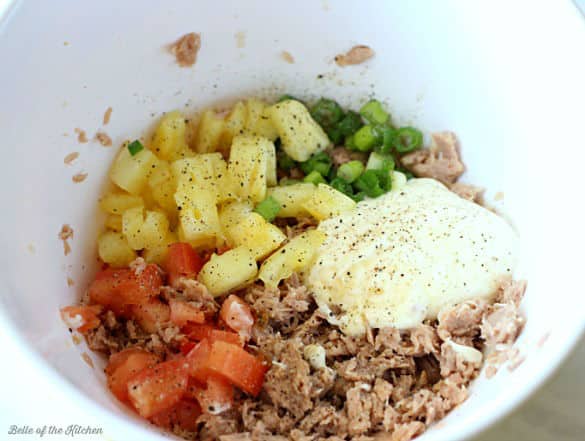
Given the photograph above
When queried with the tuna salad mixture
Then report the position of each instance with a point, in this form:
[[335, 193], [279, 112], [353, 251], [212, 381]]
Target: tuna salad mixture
[[297, 271]]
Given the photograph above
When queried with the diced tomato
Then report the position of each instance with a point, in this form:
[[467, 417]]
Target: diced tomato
[[124, 366], [151, 315], [182, 261], [186, 347], [200, 332], [238, 366], [236, 313], [183, 414], [184, 312], [197, 332], [193, 388], [217, 396], [81, 318], [116, 288], [158, 388], [197, 360]]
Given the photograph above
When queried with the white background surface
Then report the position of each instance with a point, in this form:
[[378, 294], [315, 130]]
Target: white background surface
[[554, 413]]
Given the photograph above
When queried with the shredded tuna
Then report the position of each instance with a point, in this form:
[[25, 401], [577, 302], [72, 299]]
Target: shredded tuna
[[81, 136], [406, 432], [212, 427], [467, 191], [65, 234], [186, 48], [286, 56], [387, 385], [79, 177], [462, 320], [502, 325], [107, 116], [104, 139], [441, 161], [68, 160], [356, 55]]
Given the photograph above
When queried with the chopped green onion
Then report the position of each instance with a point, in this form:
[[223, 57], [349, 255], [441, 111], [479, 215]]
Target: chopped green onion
[[374, 113], [366, 138], [350, 142], [351, 123], [286, 97], [350, 171], [342, 186], [407, 139], [334, 135], [374, 183], [321, 163], [134, 147], [288, 181], [315, 178], [326, 112], [285, 162], [378, 161], [268, 208], [388, 135]]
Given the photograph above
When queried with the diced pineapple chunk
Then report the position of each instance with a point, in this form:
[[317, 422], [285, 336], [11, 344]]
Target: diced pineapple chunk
[[118, 203], [258, 121], [114, 222], [169, 141], [162, 188], [114, 249], [144, 231], [158, 253], [295, 256], [233, 269], [327, 202], [209, 132], [258, 235], [232, 214], [271, 178], [198, 219], [234, 123], [130, 172], [301, 136], [292, 199], [208, 171], [248, 164]]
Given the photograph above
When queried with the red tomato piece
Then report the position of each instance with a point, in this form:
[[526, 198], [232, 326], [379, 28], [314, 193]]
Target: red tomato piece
[[81, 318], [217, 396], [187, 346], [183, 414], [193, 388], [238, 366], [183, 313], [197, 359], [236, 313], [182, 261], [116, 288], [151, 315], [158, 388], [204, 331], [124, 366]]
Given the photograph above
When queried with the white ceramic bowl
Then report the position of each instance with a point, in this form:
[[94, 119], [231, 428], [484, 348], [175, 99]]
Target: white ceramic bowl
[[507, 77]]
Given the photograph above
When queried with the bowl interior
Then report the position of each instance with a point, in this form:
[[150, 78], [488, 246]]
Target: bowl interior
[[512, 93]]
